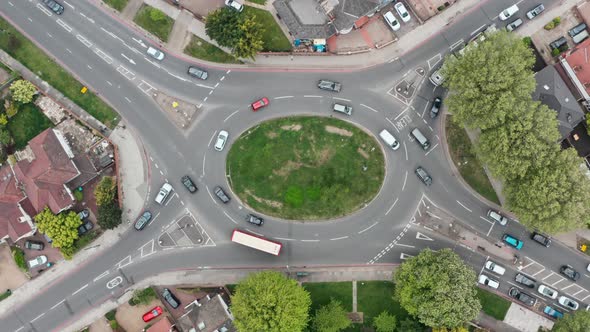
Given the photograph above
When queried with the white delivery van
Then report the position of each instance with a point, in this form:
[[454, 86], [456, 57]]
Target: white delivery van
[[421, 139], [388, 138]]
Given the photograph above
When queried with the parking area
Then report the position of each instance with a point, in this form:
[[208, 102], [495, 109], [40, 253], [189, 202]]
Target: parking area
[[53, 255], [130, 317]]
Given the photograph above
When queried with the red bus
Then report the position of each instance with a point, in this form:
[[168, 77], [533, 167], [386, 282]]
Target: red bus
[[256, 242]]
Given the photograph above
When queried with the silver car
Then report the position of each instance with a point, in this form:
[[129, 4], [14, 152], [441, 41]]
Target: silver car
[[198, 73], [155, 53], [221, 140], [37, 261]]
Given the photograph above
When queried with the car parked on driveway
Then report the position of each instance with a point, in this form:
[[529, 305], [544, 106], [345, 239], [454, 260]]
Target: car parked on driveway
[[402, 12], [86, 227], [512, 241], [221, 195], [260, 103], [569, 272], [83, 214], [254, 220], [558, 43], [170, 298], [552, 312], [34, 245], [435, 109], [155, 312], [487, 281], [143, 220], [235, 5], [577, 29], [188, 183], [568, 303], [535, 11], [329, 85], [522, 296], [54, 6], [508, 12], [541, 238], [525, 280], [37, 261], [198, 73], [548, 292], [221, 140], [391, 21], [497, 269]]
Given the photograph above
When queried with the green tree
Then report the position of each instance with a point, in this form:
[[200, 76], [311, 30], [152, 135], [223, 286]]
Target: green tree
[[239, 31], [268, 301], [61, 228], [409, 324], [5, 137], [109, 215], [3, 120], [488, 79], [105, 190], [250, 41], [331, 318], [157, 15], [385, 322], [578, 321], [22, 91], [424, 285]]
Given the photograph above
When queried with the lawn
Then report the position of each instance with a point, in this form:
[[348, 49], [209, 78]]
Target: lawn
[[322, 292], [273, 37], [160, 28], [260, 2], [464, 158], [5, 295], [26, 124], [492, 304], [117, 4], [23, 50], [305, 168], [201, 49]]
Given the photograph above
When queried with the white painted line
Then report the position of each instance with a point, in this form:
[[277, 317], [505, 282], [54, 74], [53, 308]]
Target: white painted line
[[582, 290], [404, 111], [84, 40], [22, 327], [117, 280], [50, 36], [466, 208], [477, 30], [405, 179], [555, 283], [229, 116], [204, 100], [228, 71], [64, 25], [392, 60], [67, 49], [550, 274], [366, 229], [391, 207], [210, 92], [30, 20], [372, 109], [406, 150], [282, 97], [129, 100], [486, 220], [490, 230], [337, 98], [404, 245], [124, 262], [230, 218], [339, 238], [222, 78], [57, 304], [284, 239], [421, 236], [79, 290], [538, 272], [45, 10], [109, 83], [34, 319], [405, 256], [64, 1], [89, 67], [515, 285], [432, 148], [310, 240], [311, 96], [105, 273], [584, 299], [432, 215], [217, 84]]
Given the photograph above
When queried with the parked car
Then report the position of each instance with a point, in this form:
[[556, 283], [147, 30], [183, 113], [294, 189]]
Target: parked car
[[548, 292], [255, 220], [568, 303], [558, 43], [525, 280], [391, 21], [84, 214], [512, 241], [143, 220], [37, 261], [221, 195], [170, 298], [552, 312], [155, 312], [535, 11], [34, 245], [423, 175], [54, 6], [497, 269], [329, 85], [514, 24], [198, 73], [164, 193], [188, 183], [497, 217], [569, 272], [577, 29], [541, 238], [522, 296], [436, 104], [221, 140], [487, 281], [155, 53], [233, 4], [402, 12], [260, 103], [86, 227], [508, 12]]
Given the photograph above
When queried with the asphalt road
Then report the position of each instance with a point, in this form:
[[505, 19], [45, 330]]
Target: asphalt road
[[109, 56]]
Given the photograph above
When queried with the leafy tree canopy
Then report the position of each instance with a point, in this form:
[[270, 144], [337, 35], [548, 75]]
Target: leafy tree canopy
[[23, 91], [437, 288], [385, 322], [109, 215], [105, 190], [268, 301], [578, 321], [331, 318], [61, 228], [239, 31]]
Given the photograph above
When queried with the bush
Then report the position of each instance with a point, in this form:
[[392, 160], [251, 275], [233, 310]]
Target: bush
[[144, 296], [556, 21], [528, 41], [5, 294], [114, 324], [19, 258], [555, 52], [441, 8], [549, 25], [111, 314], [78, 195]]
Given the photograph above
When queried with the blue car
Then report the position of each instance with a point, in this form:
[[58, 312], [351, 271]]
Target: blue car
[[552, 312], [512, 241]]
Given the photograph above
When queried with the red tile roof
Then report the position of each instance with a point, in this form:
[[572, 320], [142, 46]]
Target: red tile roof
[[163, 325], [10, 217], [578, 59]]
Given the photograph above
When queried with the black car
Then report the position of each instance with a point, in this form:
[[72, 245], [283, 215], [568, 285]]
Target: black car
[[558, 43], [143, 220], [577, 29], [522, 296], [170, 298], [221, 195], [569, 272], [255, 220], [527, 281], [188, 184], [34, 245], [436, 104], [198, 73], [423, 175], [329, 85], [542, 239], [54, 6], [86, 227]]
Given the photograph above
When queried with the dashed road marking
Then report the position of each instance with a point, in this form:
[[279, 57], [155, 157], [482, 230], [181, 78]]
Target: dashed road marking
[[104, 274], [375, 223], [79, 290], [339, 238]]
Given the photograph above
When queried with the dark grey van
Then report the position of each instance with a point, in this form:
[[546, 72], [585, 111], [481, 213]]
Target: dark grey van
[[577, 29]]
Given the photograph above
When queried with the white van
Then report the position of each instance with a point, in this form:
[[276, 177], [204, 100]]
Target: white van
[[388, 138], [421, 139], [580, 37]]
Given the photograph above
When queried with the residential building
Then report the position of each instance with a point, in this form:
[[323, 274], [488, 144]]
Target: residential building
[[209, 314]]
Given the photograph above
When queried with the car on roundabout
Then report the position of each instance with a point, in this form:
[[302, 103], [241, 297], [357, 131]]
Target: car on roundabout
[[198, 73], [254, 220], [221, 195], [329, 85], [260, 103], [188, 183], [423, 175], [221, 140]]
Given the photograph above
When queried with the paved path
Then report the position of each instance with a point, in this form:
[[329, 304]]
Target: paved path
[[131, 9], [354, 296]]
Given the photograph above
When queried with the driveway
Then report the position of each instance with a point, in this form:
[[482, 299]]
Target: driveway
[[129, 317], [11, 277]]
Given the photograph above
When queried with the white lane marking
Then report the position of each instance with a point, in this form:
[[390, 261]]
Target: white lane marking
[[204, 100], [230, 218], [89, 67], [550, 274], [34, 319], [402, 113], [228, 71], [405, 256], [392, 60], [432, 148], [20, 328], [64, 1], [211, 139], [405, 179], [253, 232], [83, 40], [67, 49], [124, 262], [372, 109], [64, 25], [477, 30], [216, 85], [10, 3], [79, 290], [129, 100], [566, 287], [515, 285], [406, 149], [282, 97], [50, 36], [115, 281], [229, 116], [538, 272], [109, 83], [337, 98], [490, 230], [103, 56], [45, 10], [210, 195], [581, 290], [366, 229], [339, 238], [210, 92], [310, 240], [391, 207], [311, 96], [222, 78], [204, 158], [404, 245], [421, 236], [466, 208], [30, 20], [433, 215], [57, 304], [425, 107], [284, 239], [104, 274]]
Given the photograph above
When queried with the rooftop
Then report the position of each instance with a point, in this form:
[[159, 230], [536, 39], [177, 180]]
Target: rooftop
[[209, 314]]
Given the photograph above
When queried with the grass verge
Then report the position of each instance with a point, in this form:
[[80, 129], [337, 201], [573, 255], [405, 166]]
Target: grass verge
[[492, 304], [19, 258], [4, 295], [201, 49], [24, 51], [160, 27], [26, 124], [117, 4], [260, 2], [464, 158], [273, 37], [322, 292]]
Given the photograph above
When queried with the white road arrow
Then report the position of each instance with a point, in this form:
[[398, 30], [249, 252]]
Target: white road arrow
[[128, 59], [421, 236]]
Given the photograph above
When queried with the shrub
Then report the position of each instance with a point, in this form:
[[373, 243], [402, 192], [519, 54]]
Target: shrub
[[549, 25], [19, 258], [3, 120], [555, 52], [78, 195], [114, 324], [556, 21], [111, 314], [528, 41], [441, 8], [144, 296]]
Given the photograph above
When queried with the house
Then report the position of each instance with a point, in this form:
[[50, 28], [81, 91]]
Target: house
[[209, 314], [37, 180], [163, 325]]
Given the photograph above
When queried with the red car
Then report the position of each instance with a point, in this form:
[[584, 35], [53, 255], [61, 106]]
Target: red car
[[157, 311], [260, 104]]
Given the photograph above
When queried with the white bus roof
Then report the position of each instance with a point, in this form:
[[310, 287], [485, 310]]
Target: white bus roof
[[256, 242]]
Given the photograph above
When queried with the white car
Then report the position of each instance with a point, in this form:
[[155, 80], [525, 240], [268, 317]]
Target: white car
[[546, 291], [497, 269], [391, 21], [164, 192], [508, 12], [37, 261], [402, 12], [485, 280], [568, 303], [221, 140], [233, 4], [497, 217], [155, 53]]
